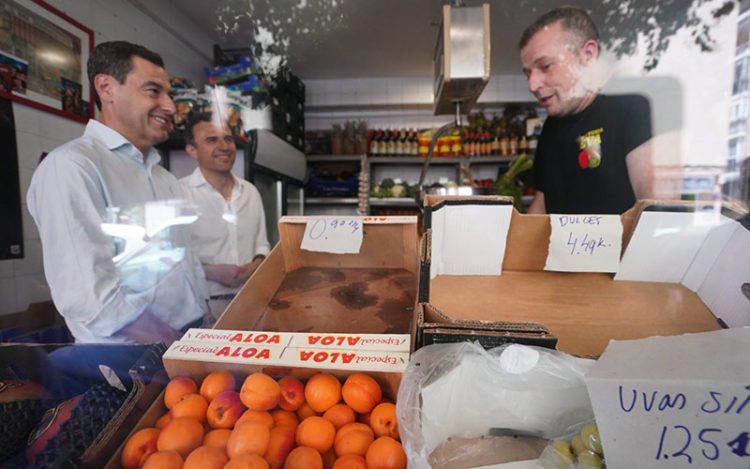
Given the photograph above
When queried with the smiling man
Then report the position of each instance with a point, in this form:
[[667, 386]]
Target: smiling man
[[230, 234], [114, 166], [594, 153]]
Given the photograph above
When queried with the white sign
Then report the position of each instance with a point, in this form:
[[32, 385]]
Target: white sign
[[338, 235], [674, 402], [584, 243]]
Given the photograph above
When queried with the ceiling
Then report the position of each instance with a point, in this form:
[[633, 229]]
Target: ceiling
[[376, 38]]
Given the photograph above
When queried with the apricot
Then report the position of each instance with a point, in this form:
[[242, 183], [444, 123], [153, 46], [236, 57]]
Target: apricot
[[361, 392], [304, 457], [247, 461], [350, 461], [305, 411], [292, 393], [217, 438], [182, 434], [164, 460], [280, 444], [260, 392], [178, 387], [206, 457], [340, 415], [383, 420], [385, 453], [322, 392], [353, 438], [329, 457], [260, 416], [316, 432], [248, 437], [284, 418], [191, 405], [216, 383], [224, 410], [138, 447], [162, 421]]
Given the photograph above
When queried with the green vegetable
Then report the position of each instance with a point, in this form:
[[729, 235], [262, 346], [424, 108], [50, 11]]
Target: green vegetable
[[507, 184]]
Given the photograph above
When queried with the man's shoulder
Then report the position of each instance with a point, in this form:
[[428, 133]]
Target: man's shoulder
[[80, 152], [624, 100]]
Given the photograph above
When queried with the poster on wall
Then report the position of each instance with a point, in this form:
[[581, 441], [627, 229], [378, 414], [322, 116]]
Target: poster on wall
[[43, 55]]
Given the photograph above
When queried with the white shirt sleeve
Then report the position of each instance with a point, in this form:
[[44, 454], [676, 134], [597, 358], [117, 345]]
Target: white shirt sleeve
[[67, 201], [262, 246]]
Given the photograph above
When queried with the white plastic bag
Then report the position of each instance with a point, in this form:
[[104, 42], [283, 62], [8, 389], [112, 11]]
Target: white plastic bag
[[462, 390]]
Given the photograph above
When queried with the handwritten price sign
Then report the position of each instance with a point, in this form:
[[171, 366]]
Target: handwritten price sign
[[584, 243], [339, 235]]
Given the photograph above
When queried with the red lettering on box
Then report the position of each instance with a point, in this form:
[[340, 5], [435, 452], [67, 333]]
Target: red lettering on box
[[236, 338], [223, 352], [305, 356]]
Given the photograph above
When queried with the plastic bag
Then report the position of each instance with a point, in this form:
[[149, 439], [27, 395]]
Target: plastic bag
[[461, 390]]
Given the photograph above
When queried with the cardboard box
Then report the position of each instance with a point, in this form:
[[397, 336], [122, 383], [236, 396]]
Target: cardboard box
[[582, 311], [67, 370], [673, 402]]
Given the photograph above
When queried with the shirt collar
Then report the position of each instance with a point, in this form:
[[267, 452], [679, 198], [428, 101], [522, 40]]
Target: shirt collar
[[196, 179], [116, 142]]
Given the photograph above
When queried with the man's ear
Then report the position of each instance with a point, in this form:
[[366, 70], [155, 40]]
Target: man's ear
[[590, 50], [191, 151], [104, 86]]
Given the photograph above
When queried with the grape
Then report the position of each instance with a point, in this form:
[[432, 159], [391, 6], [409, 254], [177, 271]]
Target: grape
[[590, 437]]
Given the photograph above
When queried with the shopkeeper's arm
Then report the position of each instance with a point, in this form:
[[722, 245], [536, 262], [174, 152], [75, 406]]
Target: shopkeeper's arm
[[537, 205]]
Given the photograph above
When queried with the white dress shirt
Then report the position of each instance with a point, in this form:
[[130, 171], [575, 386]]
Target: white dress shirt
[[68, 199], [227, 232]]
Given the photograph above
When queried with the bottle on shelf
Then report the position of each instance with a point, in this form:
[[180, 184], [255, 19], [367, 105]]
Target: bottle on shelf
[[398, 149], [513, 144], [375, 143], [390, 144]]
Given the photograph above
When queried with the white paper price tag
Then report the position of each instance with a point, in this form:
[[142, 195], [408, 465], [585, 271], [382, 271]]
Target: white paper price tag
[[339, 235], [584, 243]]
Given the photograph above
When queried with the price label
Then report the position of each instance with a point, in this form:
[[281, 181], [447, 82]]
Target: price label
[[339, 235], [584, 243]]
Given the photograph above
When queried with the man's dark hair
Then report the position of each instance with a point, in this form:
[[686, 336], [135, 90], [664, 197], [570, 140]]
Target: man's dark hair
[[194, 119], [573, 19], [114, 58]]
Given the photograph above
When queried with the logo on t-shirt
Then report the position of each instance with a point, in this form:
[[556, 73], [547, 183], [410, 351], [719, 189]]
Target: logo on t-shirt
[[590, 145]]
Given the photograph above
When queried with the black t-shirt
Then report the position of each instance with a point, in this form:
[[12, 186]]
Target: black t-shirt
[[580, 159]]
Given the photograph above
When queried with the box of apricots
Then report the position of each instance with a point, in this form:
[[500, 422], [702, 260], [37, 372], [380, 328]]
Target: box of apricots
[[228, 420]]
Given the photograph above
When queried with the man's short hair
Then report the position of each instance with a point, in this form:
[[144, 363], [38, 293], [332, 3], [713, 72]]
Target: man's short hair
[[114, 59], [573, 19], [194, 119]]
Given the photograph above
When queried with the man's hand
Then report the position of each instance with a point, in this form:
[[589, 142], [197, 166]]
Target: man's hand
[[247, 270], [537, 205], [148, 329], [229, 275]]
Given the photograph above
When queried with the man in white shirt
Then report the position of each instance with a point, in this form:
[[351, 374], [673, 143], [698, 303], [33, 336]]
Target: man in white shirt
[[114, 166], [230, 234]]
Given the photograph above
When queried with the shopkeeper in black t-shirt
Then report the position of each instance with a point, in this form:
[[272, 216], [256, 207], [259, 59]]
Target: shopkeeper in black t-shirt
[[594, 153]]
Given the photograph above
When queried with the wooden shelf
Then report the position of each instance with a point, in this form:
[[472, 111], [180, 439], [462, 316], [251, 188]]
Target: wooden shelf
[[331, 200], [392, 202], [436, 160]]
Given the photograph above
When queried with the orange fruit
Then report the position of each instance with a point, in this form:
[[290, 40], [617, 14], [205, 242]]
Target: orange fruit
[[316, 432], [305, 411], [182, 434], [248, 437], [260, 392], [383, 420], [304, 457], [191, 405], [280, 444], [284, 418], [350, 461], [178, 387], [361, 392], [138, 447], [385, 453], [217, 438], [353, 438], [329, 457], [164, 420], [216, 383], [206, 457], [164, 460], [260, 416], [247, 461], [322, 391], [340, 415], [364, 418]]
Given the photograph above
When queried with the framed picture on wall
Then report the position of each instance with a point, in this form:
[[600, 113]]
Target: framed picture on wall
[[43, 55]]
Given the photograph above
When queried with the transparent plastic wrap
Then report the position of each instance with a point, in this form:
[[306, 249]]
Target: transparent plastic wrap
[[514, 391]]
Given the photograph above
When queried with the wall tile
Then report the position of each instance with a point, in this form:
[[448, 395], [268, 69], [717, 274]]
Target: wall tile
[[6, 269], [30, 289], [32, 263], [8, 296], [28, 150]]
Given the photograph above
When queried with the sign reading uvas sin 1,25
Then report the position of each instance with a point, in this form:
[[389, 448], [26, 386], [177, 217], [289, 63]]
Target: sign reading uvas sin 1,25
[[338, 235], [584, 243]]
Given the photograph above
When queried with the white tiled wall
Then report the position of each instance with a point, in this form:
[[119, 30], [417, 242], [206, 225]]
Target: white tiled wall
[[394, 102], [22, 281]]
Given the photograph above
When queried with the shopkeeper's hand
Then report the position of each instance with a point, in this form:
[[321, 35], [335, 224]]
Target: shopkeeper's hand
[[229, 275], [247, 270], [148, 329]]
